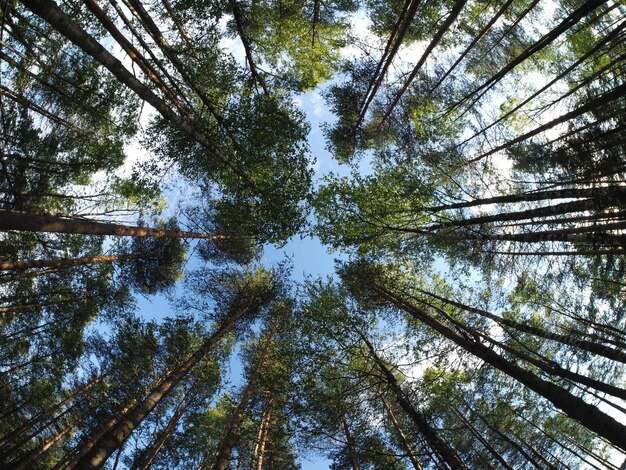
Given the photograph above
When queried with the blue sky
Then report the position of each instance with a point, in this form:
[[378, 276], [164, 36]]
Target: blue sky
[[307, 255]]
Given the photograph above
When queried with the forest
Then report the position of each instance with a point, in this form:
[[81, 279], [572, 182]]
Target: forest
[[165, 165]]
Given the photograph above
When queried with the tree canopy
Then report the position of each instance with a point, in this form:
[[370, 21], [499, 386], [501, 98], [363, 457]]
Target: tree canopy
[[155, 155]]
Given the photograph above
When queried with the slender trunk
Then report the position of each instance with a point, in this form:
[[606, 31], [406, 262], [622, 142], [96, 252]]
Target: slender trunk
[[535, 452], [539, 212], [177, 22], [169, 52], [316, 16], [603, 41], [145, 460], [239, 22], [442, 450], [266, 428], [475, 41], [24, 439], [393, 44], [609, 193], [350, 444], [232, 433], [127, 422], [492, 450], [569, 340], [570, 21], [15, 433], [401, 436], [4, 91], [49, 11], [590, 105], [135, 55], [573, 406], [28, 461], [505, 438], [24, 221], [68, 262], [129, 25], [454, 14], [87, 444]]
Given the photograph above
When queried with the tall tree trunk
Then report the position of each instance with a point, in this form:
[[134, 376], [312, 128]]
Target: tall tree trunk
[[571, 20], [260, 454], [570, 340], [573, 406], [135, 55], [170, 53], [49, 11], [232, 433], [492, 450], [446, 25], [34, 421], [475, 41], [590, 105], [505, 438], [113, 438], [27, 222], [401, 436], [239, 23], [603, 41], [27, 461], [146, 458], [350, 444], [440, 447], [69, 262], [393, 44]]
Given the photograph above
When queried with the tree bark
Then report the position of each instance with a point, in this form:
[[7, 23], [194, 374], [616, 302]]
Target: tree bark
[[570, 340], [441, 448], [573, 406], [15, 433], [146, 458], [260, 454], [49, 11], [232, 434], [454, 14], [127, 422], [350, 444], [571, 20], [492, 450], [401, 436], [27, 222], [69, 262]]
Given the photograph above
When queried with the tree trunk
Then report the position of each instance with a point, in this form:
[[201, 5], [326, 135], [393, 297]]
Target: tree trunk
[[475, 41], [393, 44], [590, 105], [68, 262], [15, 433], [569, 340], [401, 436], [146, 458], [49, 11], [27, 222], [135, 55], [571, 20], [129, 420], [573, 406], [263, 442], [350, 444], [454, 14], [232, 434], [492, 450], [441, 448], [27, 461]]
